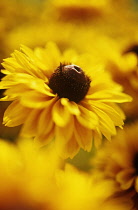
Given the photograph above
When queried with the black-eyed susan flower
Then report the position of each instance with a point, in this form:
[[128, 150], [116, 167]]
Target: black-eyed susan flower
[[119, 160], [61, 96]]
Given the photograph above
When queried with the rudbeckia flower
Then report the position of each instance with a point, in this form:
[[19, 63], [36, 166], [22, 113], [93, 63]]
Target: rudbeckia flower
[[62, 96], [119, 160]]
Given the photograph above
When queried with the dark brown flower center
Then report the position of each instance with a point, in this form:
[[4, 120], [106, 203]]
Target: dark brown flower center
[[69, 81], [135, 163]]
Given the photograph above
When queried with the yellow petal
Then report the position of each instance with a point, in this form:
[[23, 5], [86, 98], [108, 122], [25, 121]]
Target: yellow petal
[[71, 106], [33, 99], [106, 125], [110, 96], [44, 139], [63, 134], [11, 65], [30, 125], [45, 122], [15, 114], [71, 148], [83, 136], [16, 90], [119, 110], [7, 84], [111, 112], [22, 60], [60, 114], [28, 65], [97, 137], [87, 118]]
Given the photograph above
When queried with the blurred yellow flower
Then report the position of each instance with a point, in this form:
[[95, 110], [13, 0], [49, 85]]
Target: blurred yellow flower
[[121, 60], [61, 95], [39, 35], [37, 182], [119, 160], [88, 192], [27, 181], [68, 36]]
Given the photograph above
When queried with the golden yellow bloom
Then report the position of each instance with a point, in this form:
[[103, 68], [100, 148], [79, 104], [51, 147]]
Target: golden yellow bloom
[[121, 60], [119, 160], [36, 182], [61, 96], [27, 181], [63, 38], [88, 192]]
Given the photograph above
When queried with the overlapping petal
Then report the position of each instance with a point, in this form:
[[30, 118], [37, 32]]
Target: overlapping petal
[[45, 115]]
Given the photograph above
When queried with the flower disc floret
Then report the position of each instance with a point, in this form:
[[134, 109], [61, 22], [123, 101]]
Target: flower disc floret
[[69, 81]]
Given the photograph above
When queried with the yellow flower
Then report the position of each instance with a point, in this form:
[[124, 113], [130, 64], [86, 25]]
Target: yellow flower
[[119, 160], [27, 181], [63, 38], [61, 96], [37, 182], [88, 192], [120, 59]]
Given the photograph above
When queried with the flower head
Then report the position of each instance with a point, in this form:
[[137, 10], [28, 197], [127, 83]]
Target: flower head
[[88, 192], [119, 160], [121, 61], [24, 180], [31, 182], [61, 96]]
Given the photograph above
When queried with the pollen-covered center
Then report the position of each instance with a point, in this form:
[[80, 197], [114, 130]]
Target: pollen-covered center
[[135, 163], [69, 81]]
